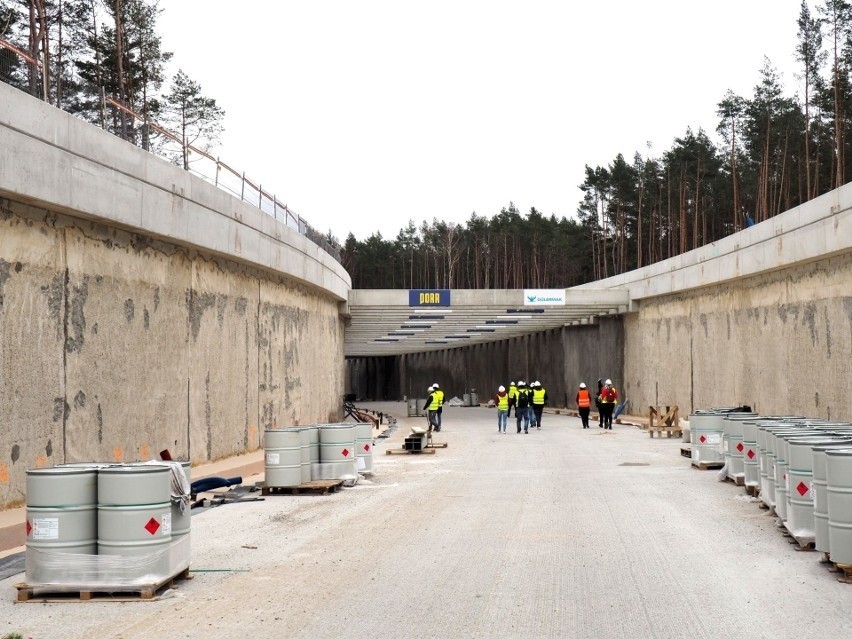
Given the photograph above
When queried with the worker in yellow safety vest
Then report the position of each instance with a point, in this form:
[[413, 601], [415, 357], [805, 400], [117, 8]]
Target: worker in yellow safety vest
[[513, 398], [501, 400], [539, 399], [440, 394]]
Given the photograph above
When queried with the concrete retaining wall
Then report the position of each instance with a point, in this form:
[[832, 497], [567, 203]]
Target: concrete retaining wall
[[141, 309]]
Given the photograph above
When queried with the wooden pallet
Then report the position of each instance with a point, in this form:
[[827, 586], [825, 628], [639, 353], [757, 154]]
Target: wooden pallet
[[707, 465], [686, 452], [316, 487], [437, 445], [664, 429], [803, 543], [846, 569], [752, 491], [45, 593], [736, 480], [403, 451]]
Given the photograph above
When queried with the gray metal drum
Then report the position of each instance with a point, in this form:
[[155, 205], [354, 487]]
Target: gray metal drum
[[800, 484], [734, 447], [705, 434], [135, 516], [821, 540], [769, 494], [313, 439], [305, 449], [61, 518], [283, 459], [181, 519], [364, 447], [337, 450], [839, 477], [751, 458], [779, 450]]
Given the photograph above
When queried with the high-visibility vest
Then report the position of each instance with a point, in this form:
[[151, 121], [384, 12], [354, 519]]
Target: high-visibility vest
[[440, 395], [503, 402], [538, 396], [584, 398], [513, 392], [435, 401], [609, 395]]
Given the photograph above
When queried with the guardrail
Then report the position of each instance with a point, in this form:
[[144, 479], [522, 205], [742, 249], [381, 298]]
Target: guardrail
[[14, 60]]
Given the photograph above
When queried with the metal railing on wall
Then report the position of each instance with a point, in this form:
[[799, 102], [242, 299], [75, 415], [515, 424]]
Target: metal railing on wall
[[22, 71]]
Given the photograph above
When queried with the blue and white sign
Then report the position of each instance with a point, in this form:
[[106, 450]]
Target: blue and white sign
[[544, 297], [429, 297]]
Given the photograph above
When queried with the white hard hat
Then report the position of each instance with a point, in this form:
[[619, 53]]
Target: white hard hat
[[537, 383], [582, 384], [511, 383], [522, 383], [501, 389], [430, 389], [608, 382], [435, 385]]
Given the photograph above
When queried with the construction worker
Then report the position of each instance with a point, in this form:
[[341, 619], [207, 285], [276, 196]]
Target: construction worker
[[522, 408], [501, 400], [431, 407], [513, 398], [437, 390], [584, 404], [539, 399], [609, 398]]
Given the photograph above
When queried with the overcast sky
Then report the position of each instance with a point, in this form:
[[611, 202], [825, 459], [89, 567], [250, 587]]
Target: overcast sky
[[362, 115]]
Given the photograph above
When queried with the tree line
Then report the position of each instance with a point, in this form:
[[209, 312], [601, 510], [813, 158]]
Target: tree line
[[775, 152], [103, 60]]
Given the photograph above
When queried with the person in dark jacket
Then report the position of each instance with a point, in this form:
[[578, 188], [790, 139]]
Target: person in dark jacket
[[522, 408], [538, 399], [609, 398]]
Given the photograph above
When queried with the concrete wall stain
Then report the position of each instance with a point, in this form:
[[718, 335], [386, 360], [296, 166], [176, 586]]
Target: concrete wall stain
[[827, 323], [4, 276], [100, 418], [809, 319], [146, 319], [58, 408], [74, 341], [16, 453], [196, 304], [129, 310], [80, 400], [48, 449], [156, 298]]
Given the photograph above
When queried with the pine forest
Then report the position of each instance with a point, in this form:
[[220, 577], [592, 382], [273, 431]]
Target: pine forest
[[102, 60]]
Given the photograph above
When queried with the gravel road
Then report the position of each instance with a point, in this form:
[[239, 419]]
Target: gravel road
[[558, 533]]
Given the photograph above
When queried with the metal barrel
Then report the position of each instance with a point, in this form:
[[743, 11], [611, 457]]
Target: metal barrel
[[800, 483], [305, 450], [61, 516], [364, 447], [839, 491], [337, 451], [734, 446], [821, 540], [181, 518], [283, 459], [778, 458], [751, 454], [705, 434], [135, 516]]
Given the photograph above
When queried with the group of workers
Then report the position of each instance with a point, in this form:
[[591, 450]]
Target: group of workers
[[529, 402]]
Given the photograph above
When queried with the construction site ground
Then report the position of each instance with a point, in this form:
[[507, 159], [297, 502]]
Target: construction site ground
[[562, 532]]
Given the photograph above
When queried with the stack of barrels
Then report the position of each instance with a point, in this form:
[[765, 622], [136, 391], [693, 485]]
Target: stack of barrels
[[800, 467], [300, 454], [104, 524]]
